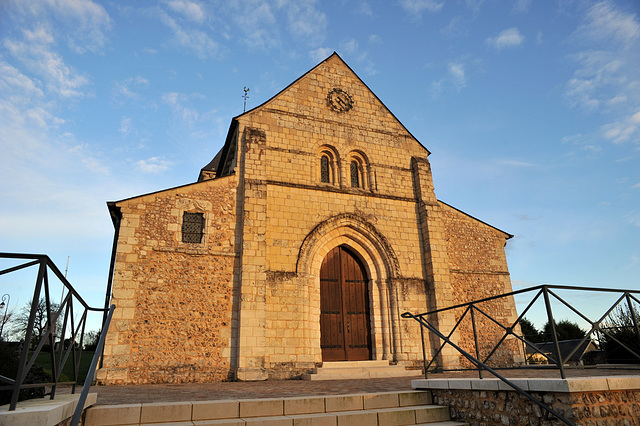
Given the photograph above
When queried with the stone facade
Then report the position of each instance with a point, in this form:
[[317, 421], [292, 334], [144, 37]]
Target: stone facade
[[480, 408], [322, 164]]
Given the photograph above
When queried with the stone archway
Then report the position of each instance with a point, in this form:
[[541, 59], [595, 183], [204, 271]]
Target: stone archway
[[380, 264]]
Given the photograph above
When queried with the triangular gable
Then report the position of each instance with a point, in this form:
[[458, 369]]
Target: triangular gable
[[342, 62]]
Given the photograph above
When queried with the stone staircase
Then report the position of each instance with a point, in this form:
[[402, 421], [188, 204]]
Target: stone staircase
[[375, 409], [359, 370]]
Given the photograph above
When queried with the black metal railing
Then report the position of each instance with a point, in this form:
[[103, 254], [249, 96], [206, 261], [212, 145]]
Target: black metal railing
[[600, 328], [62, 336]]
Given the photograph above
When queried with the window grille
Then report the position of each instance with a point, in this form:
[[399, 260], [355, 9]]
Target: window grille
[[192, 227], [355, 175], [324, 169]]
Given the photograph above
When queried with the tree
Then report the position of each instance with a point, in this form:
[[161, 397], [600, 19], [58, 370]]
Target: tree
[[40, 324], [620, 325], [6, 330], [565, 329], [91, 340], [530, 332]]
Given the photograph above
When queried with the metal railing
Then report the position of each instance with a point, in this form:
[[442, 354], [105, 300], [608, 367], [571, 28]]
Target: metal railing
[[63, 332], [599, 328]]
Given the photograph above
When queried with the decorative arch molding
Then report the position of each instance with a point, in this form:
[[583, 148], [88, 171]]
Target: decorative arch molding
[[354, 231]]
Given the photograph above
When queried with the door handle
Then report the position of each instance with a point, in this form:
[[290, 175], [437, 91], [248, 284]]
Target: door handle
[[348, 328]]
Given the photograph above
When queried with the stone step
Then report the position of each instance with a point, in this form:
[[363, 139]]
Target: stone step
[[379, 409], [359, 370]]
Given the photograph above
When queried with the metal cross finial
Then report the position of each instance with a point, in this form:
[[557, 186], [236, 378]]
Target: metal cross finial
[[245, 96]]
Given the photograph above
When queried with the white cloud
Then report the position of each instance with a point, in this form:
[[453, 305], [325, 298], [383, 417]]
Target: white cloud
[[625, 130], [416, 7], [153, 165], [364, 8], [605, 23], [84, 24], [36, 53], [349, 46], [176, 101], [125, 125], [304, 20], [188, 38], [320, 54], [188, 9], [510, 37], [457, 74], [521, 6], [127, 88]]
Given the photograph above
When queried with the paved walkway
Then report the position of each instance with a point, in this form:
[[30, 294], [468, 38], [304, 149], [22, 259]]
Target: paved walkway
[[109, 395]]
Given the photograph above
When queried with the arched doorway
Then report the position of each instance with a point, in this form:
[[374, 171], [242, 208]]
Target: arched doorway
[[344, 308]]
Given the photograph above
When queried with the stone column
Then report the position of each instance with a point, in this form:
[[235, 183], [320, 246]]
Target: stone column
[[252, 300], [435, 259]]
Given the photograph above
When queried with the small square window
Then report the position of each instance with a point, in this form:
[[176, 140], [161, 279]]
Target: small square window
[[192, 227]]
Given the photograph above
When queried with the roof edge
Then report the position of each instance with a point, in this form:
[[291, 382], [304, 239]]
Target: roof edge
[[509, 236]]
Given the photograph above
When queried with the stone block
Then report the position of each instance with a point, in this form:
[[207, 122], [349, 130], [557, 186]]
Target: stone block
[[432, 414], [261, 407], [162, 412], [351, 418], [304, 405], [343, 403], [270, 421], [106, 415], [380, 400], [215, 410], [396, 416], [408, 399], [315, 420]]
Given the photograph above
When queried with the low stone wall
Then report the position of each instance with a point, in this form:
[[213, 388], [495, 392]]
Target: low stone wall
[[583, 401]]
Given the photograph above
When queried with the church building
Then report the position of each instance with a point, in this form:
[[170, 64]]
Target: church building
[[302, 242]]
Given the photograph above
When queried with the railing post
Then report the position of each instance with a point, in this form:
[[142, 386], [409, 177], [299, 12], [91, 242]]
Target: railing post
[[554, 335], [475, 339], [632, 312], [424, 352], [27, 338]]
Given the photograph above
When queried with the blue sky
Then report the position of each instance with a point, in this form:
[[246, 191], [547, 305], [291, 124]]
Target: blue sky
[[531, 111]]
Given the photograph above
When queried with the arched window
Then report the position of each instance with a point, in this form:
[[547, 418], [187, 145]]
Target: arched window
[[358, 171], [325, 171], [355, 174], [327, 167]]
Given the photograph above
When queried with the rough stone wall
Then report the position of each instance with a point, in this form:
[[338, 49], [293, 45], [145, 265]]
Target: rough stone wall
[[173, 300], [478, 270], [480, 408]]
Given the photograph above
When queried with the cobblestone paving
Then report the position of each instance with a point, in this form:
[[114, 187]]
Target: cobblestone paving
[[109, 395]]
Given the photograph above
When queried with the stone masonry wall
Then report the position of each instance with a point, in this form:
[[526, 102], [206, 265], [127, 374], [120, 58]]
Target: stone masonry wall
[[480, 408], [478, 270], [173, 300]]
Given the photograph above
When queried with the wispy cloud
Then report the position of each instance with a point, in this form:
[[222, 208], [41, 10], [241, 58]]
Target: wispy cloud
[[35, 52], [84, 24], [521, 6], [153, 165], [190, 10], [606, 78], [320, 54], [176, 102], [304, 20], [416, 7], [603, 22], [510, 37], [454, 80], [186, 37], [625, 130]]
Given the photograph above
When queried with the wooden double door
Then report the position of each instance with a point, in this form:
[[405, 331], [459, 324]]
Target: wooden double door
[[344, 308]]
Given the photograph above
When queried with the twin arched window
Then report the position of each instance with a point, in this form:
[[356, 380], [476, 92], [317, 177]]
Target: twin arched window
[[356, 172]]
